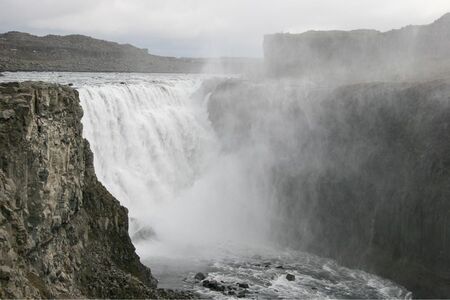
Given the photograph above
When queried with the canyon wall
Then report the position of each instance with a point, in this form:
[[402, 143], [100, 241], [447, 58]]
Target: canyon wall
[[416, 52], [360, 172], [62, 234]]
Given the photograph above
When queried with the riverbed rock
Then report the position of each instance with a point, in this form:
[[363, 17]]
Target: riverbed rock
[[241, 294], [199, 276], [213, 285], [62, 234], [243, 285], [290, 277]]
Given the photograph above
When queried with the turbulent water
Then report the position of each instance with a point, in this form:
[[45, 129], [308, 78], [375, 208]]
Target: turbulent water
[[194, 206]]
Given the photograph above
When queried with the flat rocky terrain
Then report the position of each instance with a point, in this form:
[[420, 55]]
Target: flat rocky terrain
[[78, 53], [412, 52], [25, 52]]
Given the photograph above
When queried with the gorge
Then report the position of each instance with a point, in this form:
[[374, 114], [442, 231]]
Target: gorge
[[290, 184]]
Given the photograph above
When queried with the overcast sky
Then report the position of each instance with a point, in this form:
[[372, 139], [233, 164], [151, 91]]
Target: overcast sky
[[209, 27]]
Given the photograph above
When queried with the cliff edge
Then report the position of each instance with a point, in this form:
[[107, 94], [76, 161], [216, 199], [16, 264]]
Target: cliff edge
[[411, 52], [62, 234]]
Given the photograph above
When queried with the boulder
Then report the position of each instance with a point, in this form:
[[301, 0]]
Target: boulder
[[243, 285], [200, 276], [290, 277], [213, 285]]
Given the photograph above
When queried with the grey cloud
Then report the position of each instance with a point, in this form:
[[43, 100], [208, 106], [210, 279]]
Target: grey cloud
[[209, 27]]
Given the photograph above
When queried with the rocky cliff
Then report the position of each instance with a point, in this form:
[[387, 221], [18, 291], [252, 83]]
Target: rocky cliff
[[411, 52], [62, 234], [360, 173]]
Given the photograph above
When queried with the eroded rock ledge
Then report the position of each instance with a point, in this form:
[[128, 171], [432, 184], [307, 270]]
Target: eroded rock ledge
[[62, 234]]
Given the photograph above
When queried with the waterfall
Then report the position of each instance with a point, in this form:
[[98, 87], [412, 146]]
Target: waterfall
[[155, 151], [148, 140]]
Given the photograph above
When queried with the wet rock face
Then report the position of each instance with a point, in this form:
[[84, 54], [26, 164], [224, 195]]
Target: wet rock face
[[360, 172], [62, 234]]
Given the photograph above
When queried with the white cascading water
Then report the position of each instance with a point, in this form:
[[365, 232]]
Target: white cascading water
[[156, 152], [149, 141]]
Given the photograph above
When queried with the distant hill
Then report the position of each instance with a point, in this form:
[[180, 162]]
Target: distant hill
[[25, 52], [412, 51]]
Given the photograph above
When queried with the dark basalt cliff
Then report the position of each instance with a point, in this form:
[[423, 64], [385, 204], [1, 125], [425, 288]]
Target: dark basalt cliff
[[411, 52], [361, 172], [62, 234]]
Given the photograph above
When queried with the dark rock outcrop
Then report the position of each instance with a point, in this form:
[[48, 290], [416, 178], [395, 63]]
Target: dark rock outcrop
[[411, 52], [199, 276], [243, 285], [360, 172], [213, 285], [62, 234]]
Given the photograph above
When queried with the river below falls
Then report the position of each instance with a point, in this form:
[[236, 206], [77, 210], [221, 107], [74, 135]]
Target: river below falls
[[266, 277]]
